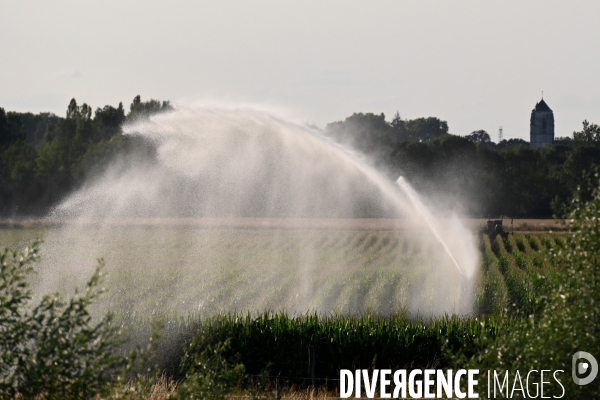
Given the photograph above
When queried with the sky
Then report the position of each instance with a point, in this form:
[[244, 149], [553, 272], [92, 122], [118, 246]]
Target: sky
[[476, 64]]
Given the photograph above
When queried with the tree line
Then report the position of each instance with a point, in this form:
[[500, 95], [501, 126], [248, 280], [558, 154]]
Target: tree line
[[43, 157], [471, 173]]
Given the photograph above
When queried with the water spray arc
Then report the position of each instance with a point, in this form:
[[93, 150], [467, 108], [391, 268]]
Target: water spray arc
[[415, 200], [418, 204], [229, 164]]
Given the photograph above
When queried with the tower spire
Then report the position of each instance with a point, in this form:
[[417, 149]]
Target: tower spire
[[541, 125]]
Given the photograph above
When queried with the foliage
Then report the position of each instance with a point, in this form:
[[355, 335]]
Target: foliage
[[209, 373], [36, 125], [589, 134], [53, 349], [516, 276], [368, 132], [283, 344], [579, 160], [504, 143], [372, 134], [564, 317], [108, 120], [145, 108], [423, 129], [479, 136], [485, 179], [10, 128], [516, 181], [43, 157]]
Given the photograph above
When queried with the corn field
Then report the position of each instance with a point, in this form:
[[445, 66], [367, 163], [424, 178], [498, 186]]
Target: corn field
[[242, 286], [516, 272]]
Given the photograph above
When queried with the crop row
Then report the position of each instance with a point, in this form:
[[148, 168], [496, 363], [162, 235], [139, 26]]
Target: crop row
[[357, 286], [516, 272], [515, 276], [204, 272], [280, 344]]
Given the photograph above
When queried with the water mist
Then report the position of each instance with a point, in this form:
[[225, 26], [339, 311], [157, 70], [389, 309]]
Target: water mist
[[239, 209]]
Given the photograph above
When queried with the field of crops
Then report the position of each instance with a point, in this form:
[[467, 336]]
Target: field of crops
[[185, 271], [516, 274], [367, 293], [517, 271]]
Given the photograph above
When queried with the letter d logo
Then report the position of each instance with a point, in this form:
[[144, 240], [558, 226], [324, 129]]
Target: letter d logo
[[580, 368]]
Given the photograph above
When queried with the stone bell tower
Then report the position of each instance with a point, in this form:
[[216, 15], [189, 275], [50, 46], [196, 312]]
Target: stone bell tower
[[541, 126]]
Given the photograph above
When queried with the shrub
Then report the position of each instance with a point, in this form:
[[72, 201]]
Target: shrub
[[567, 314], [53, 349], [209, 373]]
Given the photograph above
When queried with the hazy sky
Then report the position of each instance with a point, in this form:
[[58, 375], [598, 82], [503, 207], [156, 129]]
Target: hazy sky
[[477, 64]]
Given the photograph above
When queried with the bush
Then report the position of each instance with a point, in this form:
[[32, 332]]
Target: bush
[[209, 374], [53, 350], [567, 314]]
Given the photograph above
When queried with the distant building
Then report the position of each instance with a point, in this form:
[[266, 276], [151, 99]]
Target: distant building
[[541, 127]]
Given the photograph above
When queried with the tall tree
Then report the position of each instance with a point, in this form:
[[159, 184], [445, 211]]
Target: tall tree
[[369, 133], [399, 127], [589, 134], [479, 136], [145, 108], [423, 129], [10, 129], [108, 121]]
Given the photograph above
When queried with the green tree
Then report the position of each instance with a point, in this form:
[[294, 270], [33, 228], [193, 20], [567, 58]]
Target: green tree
[[568, 316], [589, 134], [525, 182], [467, 174], [36, 125], [505, 144], [10, 129], [18, 162], [369, 133], [145, 108], [479, 136], [43, 156], [579, 159], [65, 145], [399, 127], [423, 129], [108, 121]]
